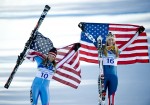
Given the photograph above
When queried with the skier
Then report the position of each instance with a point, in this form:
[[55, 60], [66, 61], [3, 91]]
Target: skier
[[110, 53], [40, 85]]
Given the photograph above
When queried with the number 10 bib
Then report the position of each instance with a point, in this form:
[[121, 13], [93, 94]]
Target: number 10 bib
[[44, 74]]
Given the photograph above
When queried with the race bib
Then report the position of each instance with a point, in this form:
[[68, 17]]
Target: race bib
[[109, 61], [44, 74]]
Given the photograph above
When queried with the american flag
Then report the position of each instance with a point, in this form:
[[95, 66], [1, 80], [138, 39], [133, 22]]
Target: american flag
[[133, 46], [41, 43], [68, 66]]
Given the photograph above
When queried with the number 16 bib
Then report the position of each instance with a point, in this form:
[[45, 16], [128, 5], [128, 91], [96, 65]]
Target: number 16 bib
[[110, 61]]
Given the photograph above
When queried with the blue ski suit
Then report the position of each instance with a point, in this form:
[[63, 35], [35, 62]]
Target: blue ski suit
[[40, 85], [110, 72]]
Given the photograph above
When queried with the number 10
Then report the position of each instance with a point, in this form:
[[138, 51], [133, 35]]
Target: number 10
[[44, 75]]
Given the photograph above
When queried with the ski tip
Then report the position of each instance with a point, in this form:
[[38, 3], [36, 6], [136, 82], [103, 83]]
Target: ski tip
[[47, 7], [6, 86]]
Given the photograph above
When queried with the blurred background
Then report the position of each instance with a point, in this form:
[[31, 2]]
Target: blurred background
[[19, 17]]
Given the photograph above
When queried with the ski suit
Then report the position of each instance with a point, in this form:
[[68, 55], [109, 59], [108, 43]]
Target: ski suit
[[40, 85], [110, 74]]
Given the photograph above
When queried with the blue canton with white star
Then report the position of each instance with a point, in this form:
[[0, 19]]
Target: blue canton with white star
[[96, 30], [41, 44]]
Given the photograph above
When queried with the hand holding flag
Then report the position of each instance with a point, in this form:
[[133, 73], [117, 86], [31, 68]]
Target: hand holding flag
[[130, 39], [68, 66]]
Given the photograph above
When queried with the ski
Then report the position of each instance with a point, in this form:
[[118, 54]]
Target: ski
[[101, 90], [27, 45]]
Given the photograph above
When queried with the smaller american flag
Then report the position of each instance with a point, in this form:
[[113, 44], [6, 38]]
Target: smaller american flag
[[41, 43], [68, 66]]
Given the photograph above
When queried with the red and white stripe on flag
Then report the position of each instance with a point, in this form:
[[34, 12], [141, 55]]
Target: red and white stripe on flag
[[32, 53], [68, 67], [135, 52]]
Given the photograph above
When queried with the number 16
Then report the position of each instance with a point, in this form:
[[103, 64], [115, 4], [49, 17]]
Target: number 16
[[110, 60]]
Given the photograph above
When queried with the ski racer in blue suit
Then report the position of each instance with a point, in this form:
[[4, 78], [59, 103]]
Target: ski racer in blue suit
[[40, 85], [110, 55]]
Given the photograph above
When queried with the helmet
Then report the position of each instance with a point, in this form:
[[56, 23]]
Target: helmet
[[53, 51], [110, 35]]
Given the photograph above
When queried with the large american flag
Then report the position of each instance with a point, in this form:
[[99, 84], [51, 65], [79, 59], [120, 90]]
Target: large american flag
[[68, 66], [133, 46]]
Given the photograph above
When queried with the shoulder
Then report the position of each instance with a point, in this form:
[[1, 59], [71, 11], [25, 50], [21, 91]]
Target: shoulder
[[38, 59]]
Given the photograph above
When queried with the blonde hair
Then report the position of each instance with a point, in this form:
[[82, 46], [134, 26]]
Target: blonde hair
[[113, 48], [110, 35]]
